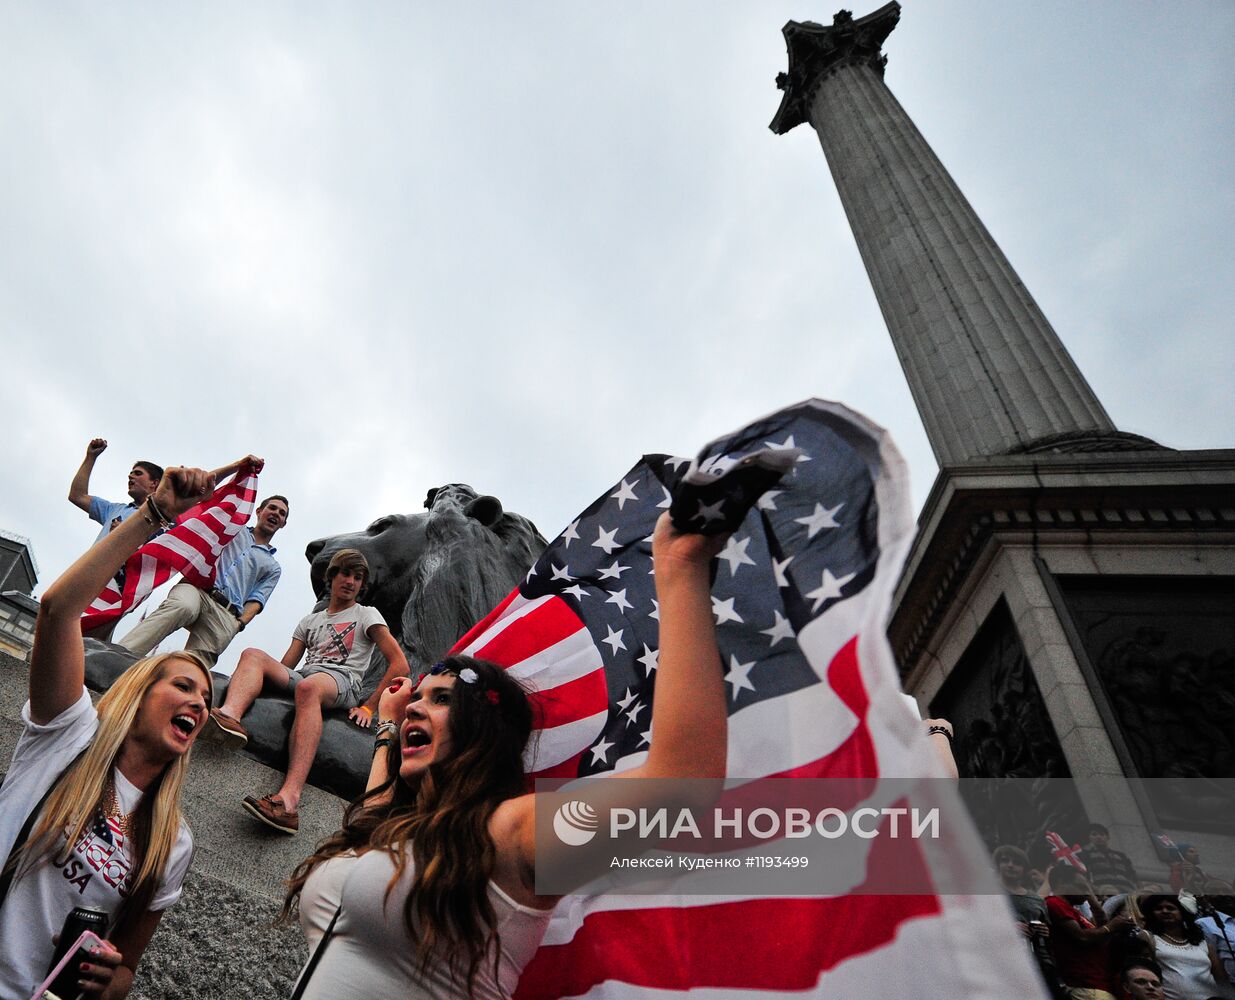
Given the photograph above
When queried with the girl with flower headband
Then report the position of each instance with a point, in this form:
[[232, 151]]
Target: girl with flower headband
[[428, 890]]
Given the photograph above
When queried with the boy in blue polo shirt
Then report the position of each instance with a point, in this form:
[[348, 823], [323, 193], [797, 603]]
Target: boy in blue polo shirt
[[143, 480]]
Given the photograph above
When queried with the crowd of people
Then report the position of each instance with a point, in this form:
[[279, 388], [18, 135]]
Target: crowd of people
[[1097, 932], [329, 651], [427, 889]]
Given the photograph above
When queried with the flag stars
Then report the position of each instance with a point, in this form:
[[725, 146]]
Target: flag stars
[[570, 534], [673, 461], [618, 597], [781, 629], [600, 752], [645, 738], [614, 639], [655, 612], [624, 702], [724, 610], [613, 571], [577, 591], [768, 500], [561, 573], [735, 555], [710, 512], [624, 492], [778, 570], [650, 659], [718, 465], [829, 589], [823, 517], [633, 714], [786, 445], [739, 676], [666, 503], [605, 540]]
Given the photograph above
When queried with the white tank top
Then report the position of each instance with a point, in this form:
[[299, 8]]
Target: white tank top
[[1186, 974], [369, 955]]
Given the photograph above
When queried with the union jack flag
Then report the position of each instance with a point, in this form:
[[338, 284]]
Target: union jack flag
[[801, 594], [191, 549], [1060, 851]]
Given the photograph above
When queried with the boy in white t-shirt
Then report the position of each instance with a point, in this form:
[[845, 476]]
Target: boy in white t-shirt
[[338, 640]]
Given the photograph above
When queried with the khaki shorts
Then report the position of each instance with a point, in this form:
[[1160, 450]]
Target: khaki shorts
[[347, 690]]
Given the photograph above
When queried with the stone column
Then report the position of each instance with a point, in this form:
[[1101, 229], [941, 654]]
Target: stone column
[[987, 372]]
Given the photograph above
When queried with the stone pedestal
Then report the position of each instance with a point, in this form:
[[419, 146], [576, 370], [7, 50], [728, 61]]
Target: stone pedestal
[[1091, 559]]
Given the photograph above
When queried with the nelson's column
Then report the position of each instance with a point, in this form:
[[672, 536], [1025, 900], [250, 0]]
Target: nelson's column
[[1069, 601]]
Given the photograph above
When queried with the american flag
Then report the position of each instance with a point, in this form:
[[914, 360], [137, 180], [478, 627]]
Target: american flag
[[801, 595], [191, 548], [1172, 849]]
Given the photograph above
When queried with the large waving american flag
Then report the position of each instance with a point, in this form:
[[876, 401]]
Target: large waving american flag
[[801, 594], [191, 549]]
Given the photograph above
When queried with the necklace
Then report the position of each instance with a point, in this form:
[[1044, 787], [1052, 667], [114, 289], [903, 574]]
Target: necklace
[[1171, 939], [109, 806]]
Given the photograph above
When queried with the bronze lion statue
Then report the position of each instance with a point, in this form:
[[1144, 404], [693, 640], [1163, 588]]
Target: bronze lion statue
[[435, 573]]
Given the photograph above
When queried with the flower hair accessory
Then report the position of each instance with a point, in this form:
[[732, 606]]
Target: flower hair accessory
[[468, 676]]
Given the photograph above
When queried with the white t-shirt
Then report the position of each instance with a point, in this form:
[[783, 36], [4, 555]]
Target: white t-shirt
[[340, 641], [95, 873]]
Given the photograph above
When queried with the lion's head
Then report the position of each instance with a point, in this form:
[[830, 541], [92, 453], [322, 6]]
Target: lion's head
[[434, 574]]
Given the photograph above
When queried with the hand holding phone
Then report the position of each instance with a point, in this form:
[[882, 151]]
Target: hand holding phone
[[86, 970]]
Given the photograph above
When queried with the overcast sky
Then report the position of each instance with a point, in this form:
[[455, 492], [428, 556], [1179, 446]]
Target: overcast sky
[[389, 246]]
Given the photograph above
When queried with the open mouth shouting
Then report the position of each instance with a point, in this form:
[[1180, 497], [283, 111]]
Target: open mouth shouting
[[184, 726], [415, 739]]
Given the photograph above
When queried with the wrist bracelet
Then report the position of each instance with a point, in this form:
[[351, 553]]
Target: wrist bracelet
[[386, 741], [385, 726], [941, 730], [154, 509]]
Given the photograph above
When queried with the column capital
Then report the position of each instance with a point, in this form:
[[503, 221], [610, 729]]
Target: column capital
[[815, 51]]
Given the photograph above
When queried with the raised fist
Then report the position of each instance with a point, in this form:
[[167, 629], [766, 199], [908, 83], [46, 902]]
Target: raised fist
[[181, 488], [96, 447]]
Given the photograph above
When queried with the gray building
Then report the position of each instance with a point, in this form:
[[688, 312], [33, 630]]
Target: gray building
[[19, 572]]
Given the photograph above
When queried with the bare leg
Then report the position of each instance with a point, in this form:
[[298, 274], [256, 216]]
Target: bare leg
[[312, 694], [254, 668]]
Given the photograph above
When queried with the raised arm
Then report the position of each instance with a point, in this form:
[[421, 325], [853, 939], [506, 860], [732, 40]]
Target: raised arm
[[79, 488], [689, 715], [232, 468], [392, 704], [57, 662]]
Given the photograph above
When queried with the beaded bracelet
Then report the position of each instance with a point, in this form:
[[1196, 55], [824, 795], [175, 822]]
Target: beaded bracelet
[[385, 726], [941, 730], [163, 518]]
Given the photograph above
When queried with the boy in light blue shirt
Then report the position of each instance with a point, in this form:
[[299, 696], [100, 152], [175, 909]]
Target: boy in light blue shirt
[[143, 480]]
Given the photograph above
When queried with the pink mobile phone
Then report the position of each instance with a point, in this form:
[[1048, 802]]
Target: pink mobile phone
[[61, 984]]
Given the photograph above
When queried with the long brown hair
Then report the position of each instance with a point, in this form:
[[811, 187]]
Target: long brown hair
[[443, 822], [78, 792]]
